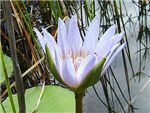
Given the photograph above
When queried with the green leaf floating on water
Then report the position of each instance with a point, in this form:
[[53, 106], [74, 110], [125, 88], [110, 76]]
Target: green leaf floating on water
[[55, 99], [9, 66]]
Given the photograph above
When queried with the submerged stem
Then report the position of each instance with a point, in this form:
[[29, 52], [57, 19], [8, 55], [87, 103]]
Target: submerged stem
[[78, 98]]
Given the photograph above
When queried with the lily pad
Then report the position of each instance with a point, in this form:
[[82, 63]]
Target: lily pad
[[9, 66], [55, 99]]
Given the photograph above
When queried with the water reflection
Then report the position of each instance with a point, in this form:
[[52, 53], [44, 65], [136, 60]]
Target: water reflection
[[139, 85]]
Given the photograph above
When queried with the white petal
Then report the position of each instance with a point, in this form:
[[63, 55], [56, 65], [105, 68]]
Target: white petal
[[105, 38], [92, 33], [61, 37], [74, 38], [58, 62], [113, 49], [48, 36], [51, 42], [69, 74], [104, 49], [40, 38], [86, 65], [111, 57], [117, 38], [67, 20]]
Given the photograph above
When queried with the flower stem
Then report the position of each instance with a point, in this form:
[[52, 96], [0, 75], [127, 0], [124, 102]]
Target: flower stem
[[78, 98]]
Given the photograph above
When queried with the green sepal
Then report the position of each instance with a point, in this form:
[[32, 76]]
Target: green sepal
[[52, 66], [92, 77]]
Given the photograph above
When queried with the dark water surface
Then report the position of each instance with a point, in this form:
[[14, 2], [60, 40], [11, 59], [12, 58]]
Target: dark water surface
[[140, 91]]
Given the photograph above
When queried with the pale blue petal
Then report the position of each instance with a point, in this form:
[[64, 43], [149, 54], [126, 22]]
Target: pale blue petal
[[111, 57], [58, 62], [86, 65], [50, 42], [113, 49], [92, 33], [105, 38], [48, 36], [69, 74], [61, 37], [40, 38], [74, 38], [67, 20], [104, 49], [117, 38]]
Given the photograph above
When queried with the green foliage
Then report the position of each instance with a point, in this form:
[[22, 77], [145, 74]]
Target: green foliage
[[55, 99], [56, 11]]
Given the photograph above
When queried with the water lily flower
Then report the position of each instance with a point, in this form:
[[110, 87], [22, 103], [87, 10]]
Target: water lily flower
[[77, 63]]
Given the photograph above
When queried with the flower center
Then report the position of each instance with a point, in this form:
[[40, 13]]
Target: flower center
[[77, 63], [77, 57]]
